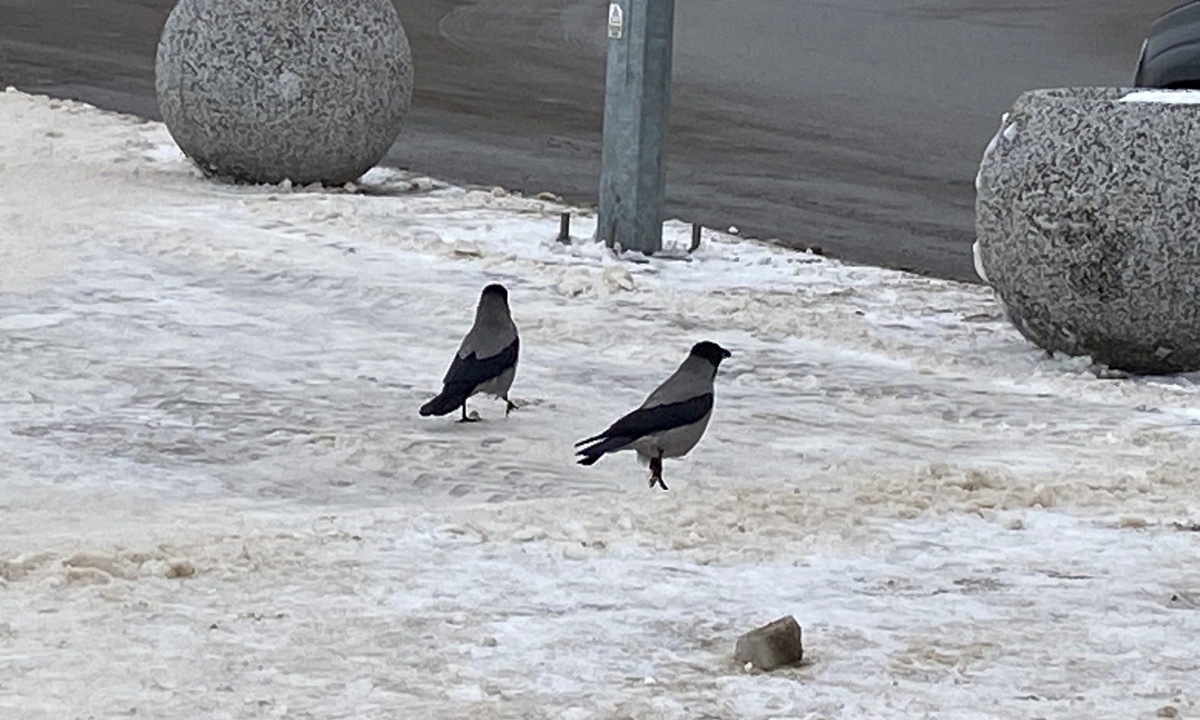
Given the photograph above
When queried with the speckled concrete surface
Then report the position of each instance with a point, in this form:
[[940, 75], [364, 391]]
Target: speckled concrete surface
[[263, 90], [1088, 226]]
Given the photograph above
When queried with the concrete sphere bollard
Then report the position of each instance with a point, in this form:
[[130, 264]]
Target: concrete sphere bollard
[[1088, 224], [267, 90]]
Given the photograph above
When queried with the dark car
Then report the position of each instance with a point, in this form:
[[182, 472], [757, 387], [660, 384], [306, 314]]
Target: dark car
[[1170, 57]]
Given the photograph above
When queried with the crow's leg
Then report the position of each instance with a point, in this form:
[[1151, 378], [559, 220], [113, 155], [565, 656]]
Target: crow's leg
[[465, 417], [509, 406], [656, 473]]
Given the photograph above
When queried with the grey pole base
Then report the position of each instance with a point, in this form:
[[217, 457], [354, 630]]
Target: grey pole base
[[637, 105]]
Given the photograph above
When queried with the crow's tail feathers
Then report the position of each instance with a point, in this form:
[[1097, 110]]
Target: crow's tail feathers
[[588, 459], [449, 400], [589, 455], [593, 438]]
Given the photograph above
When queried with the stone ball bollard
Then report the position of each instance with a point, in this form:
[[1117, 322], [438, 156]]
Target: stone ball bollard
[[1088, 224], [266, 90]]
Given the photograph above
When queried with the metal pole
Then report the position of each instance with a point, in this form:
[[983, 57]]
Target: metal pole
[[637, 101]]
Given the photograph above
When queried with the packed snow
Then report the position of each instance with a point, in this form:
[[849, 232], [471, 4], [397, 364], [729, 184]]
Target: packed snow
[[1170, 97], [219, 501]]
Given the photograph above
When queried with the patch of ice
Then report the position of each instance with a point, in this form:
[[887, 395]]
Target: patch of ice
[[991, 147], [978, 259], [1169, 97], [31, 321]]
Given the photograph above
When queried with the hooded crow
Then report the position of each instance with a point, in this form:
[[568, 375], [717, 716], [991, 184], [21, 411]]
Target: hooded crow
[[671, 420], [486, 361]]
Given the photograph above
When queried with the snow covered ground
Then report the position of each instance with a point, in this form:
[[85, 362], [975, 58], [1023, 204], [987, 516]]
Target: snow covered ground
[[218, 501]]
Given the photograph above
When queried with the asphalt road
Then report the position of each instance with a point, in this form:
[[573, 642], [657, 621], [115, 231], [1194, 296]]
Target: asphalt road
[[856, 125]]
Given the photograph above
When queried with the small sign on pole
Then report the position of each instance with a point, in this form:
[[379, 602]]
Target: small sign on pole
[[616, 21]]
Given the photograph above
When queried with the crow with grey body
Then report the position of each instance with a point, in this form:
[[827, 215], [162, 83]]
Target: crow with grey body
[[486, 361], [671, 420]]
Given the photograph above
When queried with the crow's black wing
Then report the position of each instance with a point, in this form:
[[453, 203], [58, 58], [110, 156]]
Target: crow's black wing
[[470, 371], [647, 421]]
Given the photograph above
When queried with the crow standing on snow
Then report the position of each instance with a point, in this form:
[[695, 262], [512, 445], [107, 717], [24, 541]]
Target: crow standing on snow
[[671, 420], [486, 361]]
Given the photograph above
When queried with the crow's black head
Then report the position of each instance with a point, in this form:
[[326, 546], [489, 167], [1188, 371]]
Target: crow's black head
[[711, 352], [495, 290]]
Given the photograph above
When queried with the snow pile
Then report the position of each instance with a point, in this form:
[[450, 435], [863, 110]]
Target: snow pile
[[219, 500]]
